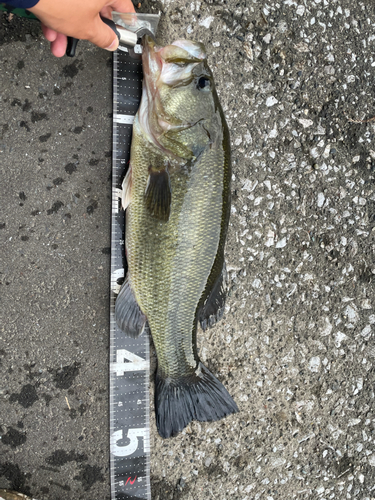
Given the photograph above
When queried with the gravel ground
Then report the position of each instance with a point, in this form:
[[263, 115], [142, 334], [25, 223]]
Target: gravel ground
[[295, 347]]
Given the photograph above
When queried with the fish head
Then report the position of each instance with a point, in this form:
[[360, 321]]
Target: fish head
[[179, 109]]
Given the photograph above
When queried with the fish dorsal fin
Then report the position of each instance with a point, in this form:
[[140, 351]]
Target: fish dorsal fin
[[213, 308], [129, 317], [158, 194], [126, 188]]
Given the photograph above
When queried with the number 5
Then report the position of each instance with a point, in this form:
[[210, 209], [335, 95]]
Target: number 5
[[133, 435]]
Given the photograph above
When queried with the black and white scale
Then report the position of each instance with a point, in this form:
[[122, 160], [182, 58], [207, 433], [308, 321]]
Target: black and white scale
[[129, 358]]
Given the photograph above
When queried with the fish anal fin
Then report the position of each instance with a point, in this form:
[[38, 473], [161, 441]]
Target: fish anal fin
[[213, 308], [158, 195], [129, 317], [126, 188]]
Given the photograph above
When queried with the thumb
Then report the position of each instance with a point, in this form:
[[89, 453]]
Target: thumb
[[102, 35]]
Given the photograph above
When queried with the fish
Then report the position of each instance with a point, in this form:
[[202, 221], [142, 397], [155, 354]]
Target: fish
[[177, 193]]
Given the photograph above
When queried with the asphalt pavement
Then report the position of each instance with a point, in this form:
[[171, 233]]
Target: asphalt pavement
[[296, 345]]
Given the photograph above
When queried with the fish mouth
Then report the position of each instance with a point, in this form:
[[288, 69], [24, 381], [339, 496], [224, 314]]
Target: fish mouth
[[149, 61], [179, 52], [171, 65], [151, 71]]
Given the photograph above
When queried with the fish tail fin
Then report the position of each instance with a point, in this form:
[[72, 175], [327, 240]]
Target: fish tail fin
[[198, 397]]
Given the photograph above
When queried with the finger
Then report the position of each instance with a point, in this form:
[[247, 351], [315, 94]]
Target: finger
[[58, 46], [125, 7], [102, 35], [48, 33], [121, 5], [106, 12]]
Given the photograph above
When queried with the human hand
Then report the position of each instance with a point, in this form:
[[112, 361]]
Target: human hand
[[79, 19]]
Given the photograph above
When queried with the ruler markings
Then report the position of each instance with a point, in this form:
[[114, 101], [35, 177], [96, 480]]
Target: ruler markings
[[124, 119], [129, 358]]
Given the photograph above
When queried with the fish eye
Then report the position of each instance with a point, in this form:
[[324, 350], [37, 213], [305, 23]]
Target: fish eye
[[203, 83]]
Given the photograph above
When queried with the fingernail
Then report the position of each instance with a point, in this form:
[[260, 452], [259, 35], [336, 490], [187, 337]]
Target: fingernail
[[113, 45]]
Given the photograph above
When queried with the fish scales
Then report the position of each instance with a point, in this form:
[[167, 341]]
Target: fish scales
[[189, 242], [178, 203]]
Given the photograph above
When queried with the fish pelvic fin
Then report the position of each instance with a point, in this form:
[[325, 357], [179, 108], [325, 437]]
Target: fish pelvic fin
[[129, 317], [198, 397], [158, 194]]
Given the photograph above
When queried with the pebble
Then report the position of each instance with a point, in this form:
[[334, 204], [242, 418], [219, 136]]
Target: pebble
[[314, 364], [320, 200]]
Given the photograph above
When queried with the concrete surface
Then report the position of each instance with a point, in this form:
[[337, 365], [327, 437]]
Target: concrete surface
[[296, 347]]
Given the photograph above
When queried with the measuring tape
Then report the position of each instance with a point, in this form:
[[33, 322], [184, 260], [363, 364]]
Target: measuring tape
[[129, 358]]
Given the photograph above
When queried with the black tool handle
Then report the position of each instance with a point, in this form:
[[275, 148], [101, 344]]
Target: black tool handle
[[71, 47], [72, 42]]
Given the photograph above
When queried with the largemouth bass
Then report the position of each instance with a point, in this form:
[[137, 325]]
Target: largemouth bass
[[177, 199]]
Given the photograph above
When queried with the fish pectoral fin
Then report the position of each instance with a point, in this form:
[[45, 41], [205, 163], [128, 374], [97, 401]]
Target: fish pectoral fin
[[213, 308], [126, 188], [158, 194], [129, 317]]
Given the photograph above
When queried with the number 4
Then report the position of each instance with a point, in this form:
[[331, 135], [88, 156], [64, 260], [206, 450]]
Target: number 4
[[136, 363]]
